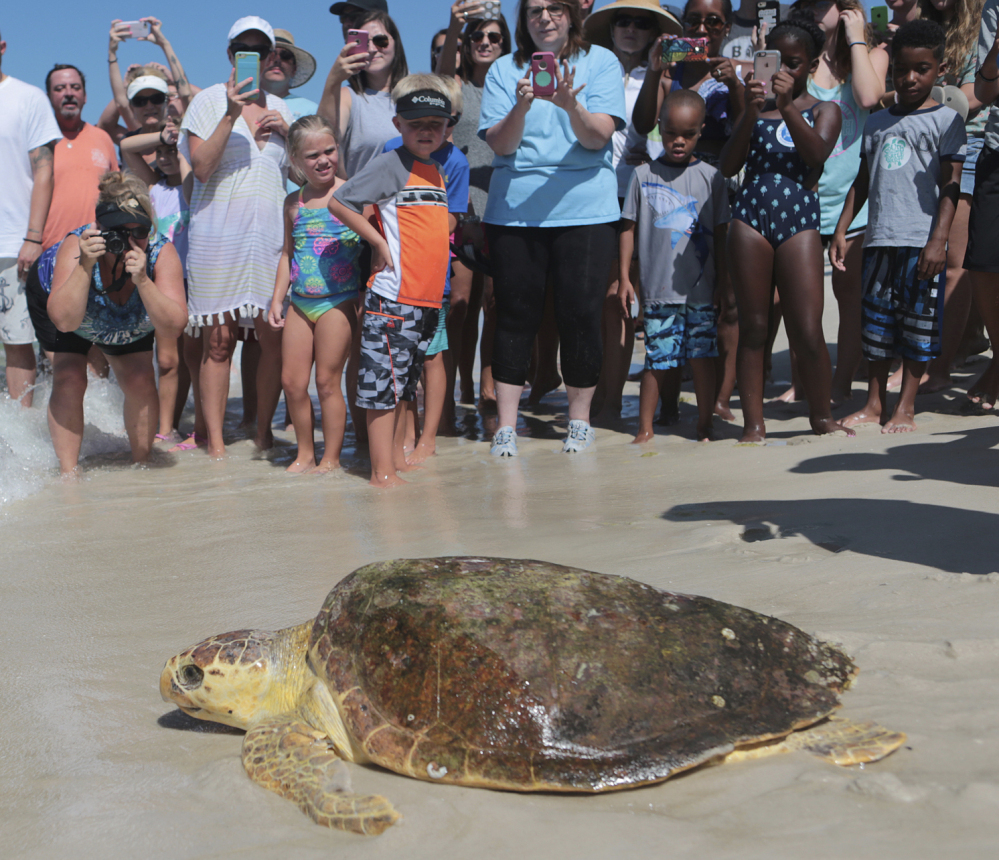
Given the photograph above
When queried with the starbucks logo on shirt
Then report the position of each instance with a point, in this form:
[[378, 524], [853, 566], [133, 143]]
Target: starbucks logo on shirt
[[895, 153]]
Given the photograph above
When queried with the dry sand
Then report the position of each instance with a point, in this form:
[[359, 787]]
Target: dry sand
[[887, 545]]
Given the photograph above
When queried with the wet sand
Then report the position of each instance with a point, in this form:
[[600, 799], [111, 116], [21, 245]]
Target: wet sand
[[887, 545]]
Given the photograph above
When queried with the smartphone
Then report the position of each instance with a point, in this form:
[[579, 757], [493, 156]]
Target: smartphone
[[768, 12], [361, 38], [491, 10], [543, 73], [766, 64], [879, 18], [681, 50], [248, 66], [137, 29]]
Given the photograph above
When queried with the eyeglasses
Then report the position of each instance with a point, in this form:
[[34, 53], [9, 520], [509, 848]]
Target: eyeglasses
[[241, 47], [142, 101], [637, 23], [494, 37], [555, 11], [712, 22]]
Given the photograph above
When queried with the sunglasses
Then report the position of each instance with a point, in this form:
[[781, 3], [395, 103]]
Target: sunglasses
[[494, 37], [155, 98], [260, 50], [286, 55], [637, 23], [137, 233], [712, 22], [380, 41]]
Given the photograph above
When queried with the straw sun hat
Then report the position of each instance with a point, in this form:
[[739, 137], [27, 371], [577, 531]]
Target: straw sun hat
[[305, 63], [598, 25]]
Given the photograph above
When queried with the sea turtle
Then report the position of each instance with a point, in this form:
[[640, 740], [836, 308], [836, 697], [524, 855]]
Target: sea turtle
[[514, 674]]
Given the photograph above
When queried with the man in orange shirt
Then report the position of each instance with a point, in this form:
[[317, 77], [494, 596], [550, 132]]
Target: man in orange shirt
[[83, 155]]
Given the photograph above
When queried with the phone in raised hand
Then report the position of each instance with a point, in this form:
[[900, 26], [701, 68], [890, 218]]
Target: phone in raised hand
[[543, 73], [766, 64], [879, 18], [136, 29], [360, 38], [768, 12], [248, 66]]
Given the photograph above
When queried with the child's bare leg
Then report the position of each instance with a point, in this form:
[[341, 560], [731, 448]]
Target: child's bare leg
[[434, 393], [402, 413], [799, 274], [728, 345], [183, 383], [877, 395], [903, 418], [381, 425], [167, 363], [357, 416], [411, 420], [249, 361], [334, 332], [848, 290], [296, 368], [669, 393], [648, 399], [704, 389], [268, 380], [752, 279]]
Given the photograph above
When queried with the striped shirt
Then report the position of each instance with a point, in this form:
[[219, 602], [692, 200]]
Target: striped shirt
[[237, 222]]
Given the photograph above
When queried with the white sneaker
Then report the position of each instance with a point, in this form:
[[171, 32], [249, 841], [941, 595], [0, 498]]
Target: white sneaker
[[581, 436], [504, 443]]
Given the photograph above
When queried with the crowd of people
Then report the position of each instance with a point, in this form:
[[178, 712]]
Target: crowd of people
[[582, 181]]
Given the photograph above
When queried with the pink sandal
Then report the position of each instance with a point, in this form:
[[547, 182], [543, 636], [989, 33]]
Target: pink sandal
[[195, 440]]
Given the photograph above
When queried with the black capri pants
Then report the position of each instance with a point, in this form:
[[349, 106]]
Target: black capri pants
[[576, 262]]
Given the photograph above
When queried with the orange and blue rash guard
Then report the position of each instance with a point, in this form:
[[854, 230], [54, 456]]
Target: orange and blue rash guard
[[410, 202]]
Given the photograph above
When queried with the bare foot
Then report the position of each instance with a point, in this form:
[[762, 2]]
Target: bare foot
[[216, 452], [386, 482], [408, 466], [325, 467], [900, 423], [487, 404], [754, 433], [933, 384], [838, 398], [264, 441], [420, 453], [723, 412], [789, 396], [864, 416], [822, 426], [705, 432], [668, 416], [643, 437], [986, 388], [542, 388], [302, 465]]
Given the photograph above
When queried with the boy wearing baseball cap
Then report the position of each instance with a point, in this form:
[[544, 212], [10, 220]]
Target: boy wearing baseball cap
[[410, 255]]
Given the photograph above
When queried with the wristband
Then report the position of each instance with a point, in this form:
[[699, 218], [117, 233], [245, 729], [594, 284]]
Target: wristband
[[857, 43], [996, 78], [162, 141], [33, 241], [112, 60]]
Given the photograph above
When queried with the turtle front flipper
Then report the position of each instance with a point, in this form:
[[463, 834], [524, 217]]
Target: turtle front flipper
[[845, 742], [292, 759]]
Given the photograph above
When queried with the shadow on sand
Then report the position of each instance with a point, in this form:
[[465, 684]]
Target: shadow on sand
[[180, 721], [950, 539]]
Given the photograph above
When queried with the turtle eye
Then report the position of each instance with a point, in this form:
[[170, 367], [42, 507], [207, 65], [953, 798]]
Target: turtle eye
[[191, 676]]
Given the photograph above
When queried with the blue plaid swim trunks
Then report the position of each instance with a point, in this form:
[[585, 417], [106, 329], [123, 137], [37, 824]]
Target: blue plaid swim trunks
[[394, 340], [900, 314], [674, 334]]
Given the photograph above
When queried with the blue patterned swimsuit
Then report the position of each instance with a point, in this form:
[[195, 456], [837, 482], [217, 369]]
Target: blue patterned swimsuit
[[773, 200], [324, 270], [106, 322]]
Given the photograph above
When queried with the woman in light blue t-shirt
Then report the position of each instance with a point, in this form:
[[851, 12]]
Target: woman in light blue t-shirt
[[552, 206]]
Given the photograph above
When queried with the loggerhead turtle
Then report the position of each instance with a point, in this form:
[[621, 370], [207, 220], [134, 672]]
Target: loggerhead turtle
[[514, 674]]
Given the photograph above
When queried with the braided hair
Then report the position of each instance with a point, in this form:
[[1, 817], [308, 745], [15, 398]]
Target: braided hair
[[802, 30]]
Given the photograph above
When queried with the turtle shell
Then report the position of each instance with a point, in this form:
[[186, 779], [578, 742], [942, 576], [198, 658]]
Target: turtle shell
[[531, 676]]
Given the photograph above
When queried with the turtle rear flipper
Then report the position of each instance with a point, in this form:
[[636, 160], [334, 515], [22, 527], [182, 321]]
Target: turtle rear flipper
[[837, 740], [292, 759]]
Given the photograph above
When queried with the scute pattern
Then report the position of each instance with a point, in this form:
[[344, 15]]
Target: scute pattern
[[525, 675]]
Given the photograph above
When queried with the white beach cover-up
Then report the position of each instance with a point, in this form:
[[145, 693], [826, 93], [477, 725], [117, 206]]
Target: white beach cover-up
[[237, 222]]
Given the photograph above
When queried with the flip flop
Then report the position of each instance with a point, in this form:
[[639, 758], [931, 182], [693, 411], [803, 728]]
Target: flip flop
[[172, 436], [190, 443]]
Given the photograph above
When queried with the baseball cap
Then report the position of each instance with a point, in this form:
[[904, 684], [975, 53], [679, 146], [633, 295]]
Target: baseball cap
[[423, 103], [252, 22], [366, 5]]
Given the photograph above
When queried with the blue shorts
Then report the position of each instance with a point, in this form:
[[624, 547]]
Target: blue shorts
[[439, 341], [900, 314], [975, 146], [394, 340], [674, 334]]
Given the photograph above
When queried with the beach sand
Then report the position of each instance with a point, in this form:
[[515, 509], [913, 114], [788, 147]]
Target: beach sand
[[886, 545]]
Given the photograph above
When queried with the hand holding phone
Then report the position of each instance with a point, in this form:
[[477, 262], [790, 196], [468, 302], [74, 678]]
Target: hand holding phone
[[136, 29], [766, 64], [543, 74], [879, 18], [680, 50], [248, 66], [768, 12], [360, 38]]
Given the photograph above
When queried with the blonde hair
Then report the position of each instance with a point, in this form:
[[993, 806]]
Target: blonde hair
[[417, 82], [142, 71], [127, 192], [962, 32], [302, 128], [453, 93]]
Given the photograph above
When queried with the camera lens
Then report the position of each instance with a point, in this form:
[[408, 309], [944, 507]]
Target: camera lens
[[114, 241]]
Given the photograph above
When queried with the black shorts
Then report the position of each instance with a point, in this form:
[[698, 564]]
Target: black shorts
[[53, 340], [983, 249]]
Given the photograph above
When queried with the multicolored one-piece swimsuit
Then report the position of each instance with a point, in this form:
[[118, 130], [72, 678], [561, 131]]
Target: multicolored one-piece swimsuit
[[773, 200]]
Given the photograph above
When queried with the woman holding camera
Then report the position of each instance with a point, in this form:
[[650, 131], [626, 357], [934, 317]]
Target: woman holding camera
[[235, 144], [553, 204], [107, 285]]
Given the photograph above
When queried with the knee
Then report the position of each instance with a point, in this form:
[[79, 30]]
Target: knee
[[753, 331], [167, 364], [20, 355], [69, 379], [220, 345], [327, 385]]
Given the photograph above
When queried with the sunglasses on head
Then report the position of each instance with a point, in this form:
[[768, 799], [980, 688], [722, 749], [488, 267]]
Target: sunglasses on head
[[241, 47], [155, 98], [637, 23], [494, 37]]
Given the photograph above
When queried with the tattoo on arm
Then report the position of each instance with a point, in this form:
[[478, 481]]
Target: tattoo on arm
[[41, 156]]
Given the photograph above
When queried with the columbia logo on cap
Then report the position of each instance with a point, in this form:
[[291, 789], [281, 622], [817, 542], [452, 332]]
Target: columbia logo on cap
[[429, 100]]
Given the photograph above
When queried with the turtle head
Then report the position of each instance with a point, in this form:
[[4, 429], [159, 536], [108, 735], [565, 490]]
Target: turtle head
[[239, 678]]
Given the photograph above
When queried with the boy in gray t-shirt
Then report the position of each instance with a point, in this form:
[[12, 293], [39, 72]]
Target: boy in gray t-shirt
[[680, 209], [912, 157]]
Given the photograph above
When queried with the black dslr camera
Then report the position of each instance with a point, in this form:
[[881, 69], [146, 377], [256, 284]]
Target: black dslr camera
[[112, 221], [115, 240]]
